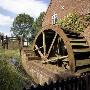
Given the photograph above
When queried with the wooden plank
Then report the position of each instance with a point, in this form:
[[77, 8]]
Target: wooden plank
[[38, 48], [77, 40], [33, 58], [44, 44], [75, 36], [54, 59], [52, 44], [59, 57], [81, 50], [83, 70], [82, 62], [79, 44]]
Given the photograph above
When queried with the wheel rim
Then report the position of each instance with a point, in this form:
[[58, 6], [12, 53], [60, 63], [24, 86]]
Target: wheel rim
[[50, 47]]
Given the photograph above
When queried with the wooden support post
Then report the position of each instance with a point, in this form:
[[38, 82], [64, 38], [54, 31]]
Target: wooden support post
[[21, 42], [52, 44], [27, 42], [6, 42], [2, 38], [21, 46], [44, 44]]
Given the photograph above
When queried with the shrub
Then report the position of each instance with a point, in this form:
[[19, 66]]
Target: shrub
[[74, 22], [9, 77]]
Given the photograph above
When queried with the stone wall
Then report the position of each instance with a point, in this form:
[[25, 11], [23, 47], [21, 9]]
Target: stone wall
[[64, 7]]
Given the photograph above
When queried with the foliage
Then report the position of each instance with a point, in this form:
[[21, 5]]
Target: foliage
[[37, 26], [11, 77], [39, 19], [87, 17], [25, 26], [74, 22], [1, 33], [38, 23], [22, 25]]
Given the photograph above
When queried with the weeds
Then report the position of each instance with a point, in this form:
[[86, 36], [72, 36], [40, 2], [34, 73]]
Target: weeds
[[12, 77]]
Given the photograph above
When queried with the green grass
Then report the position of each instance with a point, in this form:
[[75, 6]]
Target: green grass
[[12, 77], [9, 77]]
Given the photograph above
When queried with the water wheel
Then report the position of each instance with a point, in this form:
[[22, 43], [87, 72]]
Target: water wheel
[[70, 49], [56, 53]]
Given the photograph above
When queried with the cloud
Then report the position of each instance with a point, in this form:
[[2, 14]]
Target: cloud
[[5, 20], [5, 29], [31, 7], [5, 24]]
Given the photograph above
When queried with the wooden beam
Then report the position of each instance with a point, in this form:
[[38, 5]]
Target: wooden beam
[[82, 62], [42, 56], [55, 59], [59, 39], [52, 44], [38, 48], [44, 44], [39, 51]]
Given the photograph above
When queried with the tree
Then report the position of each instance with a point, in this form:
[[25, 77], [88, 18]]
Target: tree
[[1, 34], [37, 25], [22, 25], [39, 20]]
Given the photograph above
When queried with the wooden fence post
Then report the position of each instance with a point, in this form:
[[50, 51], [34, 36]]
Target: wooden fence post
[[32, 88], [51, 85], [57, 85], [6, 42], [2, 38], [45, 87], [73, 83]]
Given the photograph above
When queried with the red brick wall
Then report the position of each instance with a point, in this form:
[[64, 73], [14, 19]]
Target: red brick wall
[[63, 7], [87, 34]]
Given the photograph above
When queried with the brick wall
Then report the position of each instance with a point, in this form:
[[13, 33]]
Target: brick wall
[[40, 74], [63, 7], [87, 34]]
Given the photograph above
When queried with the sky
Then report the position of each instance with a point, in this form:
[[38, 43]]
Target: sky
[[9, 9]]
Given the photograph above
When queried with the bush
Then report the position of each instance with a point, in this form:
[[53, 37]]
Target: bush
[[74, 22], [12, 76], [9, 77]]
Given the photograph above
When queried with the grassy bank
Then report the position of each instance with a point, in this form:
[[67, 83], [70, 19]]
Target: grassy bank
[[12, 75]]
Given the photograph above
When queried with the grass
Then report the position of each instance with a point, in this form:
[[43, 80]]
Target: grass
[[9, 77], [12, 77]]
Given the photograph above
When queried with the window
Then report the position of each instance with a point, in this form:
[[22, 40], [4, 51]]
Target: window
[[54, 18]]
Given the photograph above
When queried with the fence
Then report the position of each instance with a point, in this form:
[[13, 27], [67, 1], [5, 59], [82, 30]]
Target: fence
[[74, 83], [5, 41]]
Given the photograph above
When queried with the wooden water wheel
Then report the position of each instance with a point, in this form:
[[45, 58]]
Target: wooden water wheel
[[53, 44]]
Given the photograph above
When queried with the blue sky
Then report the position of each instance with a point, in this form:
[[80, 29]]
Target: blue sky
[[9, 9]]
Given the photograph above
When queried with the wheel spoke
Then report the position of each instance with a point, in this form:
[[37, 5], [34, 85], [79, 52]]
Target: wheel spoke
[[39, 51], [44, 44], [52, 44], [59, 45], [42, 56]]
